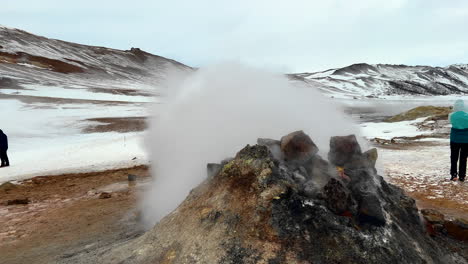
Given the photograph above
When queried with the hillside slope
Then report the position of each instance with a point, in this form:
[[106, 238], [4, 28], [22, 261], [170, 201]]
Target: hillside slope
[[27, 59], [384, 79]]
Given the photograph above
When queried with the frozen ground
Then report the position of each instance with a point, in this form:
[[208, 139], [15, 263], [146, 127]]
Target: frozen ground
[[82, 93], [47, 138], [423, 173], [390, 130], [421, 167]]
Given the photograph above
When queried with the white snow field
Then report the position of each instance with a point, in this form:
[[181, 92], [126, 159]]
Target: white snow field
[[48, 138], [390, 130]]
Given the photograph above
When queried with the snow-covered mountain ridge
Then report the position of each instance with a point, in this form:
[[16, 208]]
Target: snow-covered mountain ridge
[[383, 79], [26, 58], [29, 59]]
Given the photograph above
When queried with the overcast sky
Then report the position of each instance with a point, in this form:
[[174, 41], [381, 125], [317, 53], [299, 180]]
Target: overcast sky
[[289, 36]]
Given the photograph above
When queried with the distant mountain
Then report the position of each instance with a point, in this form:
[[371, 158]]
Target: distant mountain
[[27, 59], [382, 79]]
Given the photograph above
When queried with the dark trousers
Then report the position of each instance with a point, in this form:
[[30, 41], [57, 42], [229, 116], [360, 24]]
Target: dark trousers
[[4, 157], [458, 151]]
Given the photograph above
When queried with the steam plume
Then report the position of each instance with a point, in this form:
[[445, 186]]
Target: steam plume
[[216, 111]]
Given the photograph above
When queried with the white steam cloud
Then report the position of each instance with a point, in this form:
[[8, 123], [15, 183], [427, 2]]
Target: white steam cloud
[[214, 112]]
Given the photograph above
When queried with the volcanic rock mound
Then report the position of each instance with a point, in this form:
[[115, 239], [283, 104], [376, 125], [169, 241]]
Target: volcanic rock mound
[[279, 202]]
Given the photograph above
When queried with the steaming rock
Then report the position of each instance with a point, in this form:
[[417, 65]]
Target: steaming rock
[[298, 146], [343, 150], [212, 169], [338, 199], [268, 142], [273, 145], [255, 210]]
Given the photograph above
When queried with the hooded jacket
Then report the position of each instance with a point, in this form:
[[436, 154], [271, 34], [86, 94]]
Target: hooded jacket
[[459, 121], [3, 141]]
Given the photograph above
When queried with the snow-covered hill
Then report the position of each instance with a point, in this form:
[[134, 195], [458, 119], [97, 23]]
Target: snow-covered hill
[[30, 62], [68, 107], [383, 79]]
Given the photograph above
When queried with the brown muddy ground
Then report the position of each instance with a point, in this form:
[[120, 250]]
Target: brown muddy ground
[[423, 172], [65, 215], [129, 92], [117, 124], [31, 99]]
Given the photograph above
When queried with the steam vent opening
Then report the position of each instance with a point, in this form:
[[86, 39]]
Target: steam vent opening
[[280, 202]]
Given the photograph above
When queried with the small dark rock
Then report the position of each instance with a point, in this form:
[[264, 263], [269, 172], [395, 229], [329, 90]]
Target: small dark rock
[[132, 177], [337, 198], [370, 210], [310, 189], [18, 201], [458, 229], [105, 195], [212, 169]]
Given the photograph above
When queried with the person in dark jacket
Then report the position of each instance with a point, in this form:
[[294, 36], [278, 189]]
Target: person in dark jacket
[[3, 149], [458, 141]]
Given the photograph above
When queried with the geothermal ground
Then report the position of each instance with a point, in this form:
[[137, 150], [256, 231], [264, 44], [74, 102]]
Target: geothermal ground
[[423, 173], [65, 215], [69, 214]]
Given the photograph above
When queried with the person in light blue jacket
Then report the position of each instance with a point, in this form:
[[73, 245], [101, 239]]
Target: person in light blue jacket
[[458, 141]]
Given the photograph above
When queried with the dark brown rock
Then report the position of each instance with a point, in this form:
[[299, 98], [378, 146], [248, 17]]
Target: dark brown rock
[[370, 210], [298, 146], [457, 229], [131, 177], [18, 201], [343, 149], [105, 195], [338, 198]]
